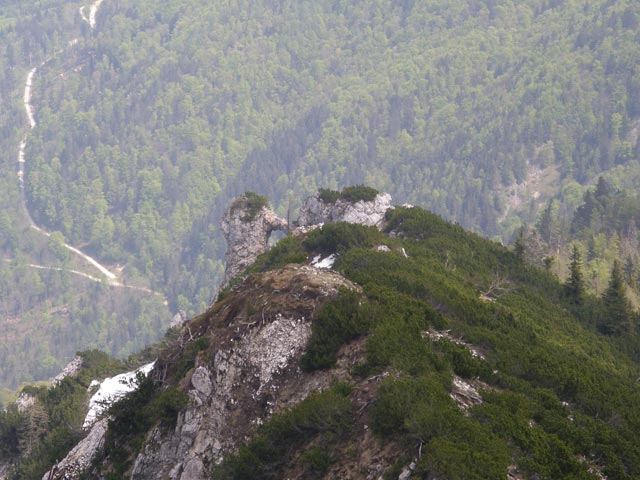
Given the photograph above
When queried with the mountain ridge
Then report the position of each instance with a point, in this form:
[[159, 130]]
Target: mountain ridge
[[422, 369]]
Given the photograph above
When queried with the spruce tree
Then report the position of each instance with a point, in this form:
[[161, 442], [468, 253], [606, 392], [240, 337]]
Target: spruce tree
[[618, 313], [574, 288], [518, 247]]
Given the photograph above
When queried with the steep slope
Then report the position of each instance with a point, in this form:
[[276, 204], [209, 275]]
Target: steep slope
[[446, 356]]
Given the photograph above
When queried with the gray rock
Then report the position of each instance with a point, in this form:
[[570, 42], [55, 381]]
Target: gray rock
[[71, 370], [315, 211], [201, 381], [79, 459], [247, 234], [193, 470], [252, 370]]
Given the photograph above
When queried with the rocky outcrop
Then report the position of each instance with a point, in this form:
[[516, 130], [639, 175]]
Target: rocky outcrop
[[71, 370], [5, 468], [78, 460], [25, 401], [250, 370], [315, 211], [249, 222], [246, 226]]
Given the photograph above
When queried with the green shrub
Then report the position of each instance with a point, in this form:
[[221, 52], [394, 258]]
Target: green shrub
[[288, 250], [187, 359], [254, 203], [338, 321], [328, 196], [132, 416], [322, 415], [351, 194], [339, 237], [420, 406], [471, 456], [166, 406], [462, 361], [317, 461], [358, 193]]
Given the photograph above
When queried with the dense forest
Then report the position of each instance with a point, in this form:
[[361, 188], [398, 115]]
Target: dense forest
[[602, 228], [481, 111]]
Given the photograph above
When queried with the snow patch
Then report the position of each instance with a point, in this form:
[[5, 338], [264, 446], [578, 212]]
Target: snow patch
[[320, 262], [112, 389]]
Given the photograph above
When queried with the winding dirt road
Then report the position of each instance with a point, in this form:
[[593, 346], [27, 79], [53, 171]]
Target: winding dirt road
[[111, 277]]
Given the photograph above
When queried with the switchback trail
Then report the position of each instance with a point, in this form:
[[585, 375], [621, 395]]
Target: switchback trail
[[111, 277]]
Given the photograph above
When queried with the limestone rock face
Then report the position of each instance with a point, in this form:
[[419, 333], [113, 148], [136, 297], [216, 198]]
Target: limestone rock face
[[71, 370], [79, 459], [4, 470], [247, 233], [315, 211], [252, 371]]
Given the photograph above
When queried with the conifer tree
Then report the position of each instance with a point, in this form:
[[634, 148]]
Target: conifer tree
[[519, 247], [574, 287], [545, 224], [618, 313]]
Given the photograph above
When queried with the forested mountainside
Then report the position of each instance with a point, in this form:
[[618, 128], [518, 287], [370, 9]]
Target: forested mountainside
[[602, 230], [147, 126], [426, 352]]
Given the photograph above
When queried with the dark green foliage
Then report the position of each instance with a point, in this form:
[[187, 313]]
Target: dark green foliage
[[317, 460], [416, 223], [340, 236], [167, 404], [254, 204], [132, 416], [339, 321], [187, 359], [63, 407], [288, 250], [454, 446], [575, 288], [519, 246], [469, 452], [322, 415], [328, 196], [9, 427], [419, 406], [462, 361], [540, 431], [541, 352], [358, 193], [619, 317]]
